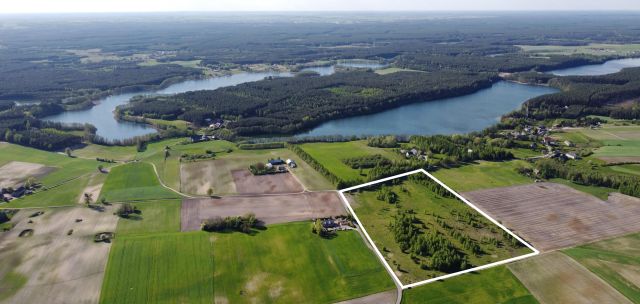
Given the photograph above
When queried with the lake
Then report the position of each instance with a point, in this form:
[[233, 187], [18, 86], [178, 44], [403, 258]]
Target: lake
[[609, 67], [455, 115]]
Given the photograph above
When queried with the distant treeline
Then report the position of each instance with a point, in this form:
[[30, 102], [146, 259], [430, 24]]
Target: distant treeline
[[289, 105]]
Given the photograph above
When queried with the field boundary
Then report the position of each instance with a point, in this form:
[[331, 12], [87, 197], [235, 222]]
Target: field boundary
[[446, 276]]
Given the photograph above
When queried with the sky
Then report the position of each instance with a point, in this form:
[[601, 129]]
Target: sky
[[102, 6]]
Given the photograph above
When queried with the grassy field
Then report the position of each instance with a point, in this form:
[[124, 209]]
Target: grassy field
[[618, 148], [163, 268], [428, 207], [107, 152], [599, 192], [633, 169], [483, 175], [612, 132], [596, 49], [494, 285], [617, 261], [289, 264], [157, 217], [134, 182], [391, 70], [331, 156]]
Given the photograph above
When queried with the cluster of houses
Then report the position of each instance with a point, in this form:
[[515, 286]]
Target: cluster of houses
[[215, 124], [336, 224], [9, 193], [279, 164], [414, 153], [201, 138]]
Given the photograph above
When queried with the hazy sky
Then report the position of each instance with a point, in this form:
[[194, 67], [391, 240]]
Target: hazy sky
[[57, 6]]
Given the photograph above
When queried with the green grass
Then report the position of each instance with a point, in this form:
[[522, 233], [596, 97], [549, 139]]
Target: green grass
[[165, 268], [483, 175], [494, 285], [10, 284], [376, 216], [117, 153], [609, 259], [599, 192], [618, 148], [71, 174], [134, 182], [288, 264], [633, 169], [331, 155], [156, 217]]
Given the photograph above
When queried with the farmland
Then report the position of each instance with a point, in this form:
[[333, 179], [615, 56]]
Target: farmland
[[134, 182], [163, 268], [434, 215], [615, 261], [60, 258], [553, 216], [331, 155], [157, 217], [556, 278], [493, 285], [483, 175], [288, 264]]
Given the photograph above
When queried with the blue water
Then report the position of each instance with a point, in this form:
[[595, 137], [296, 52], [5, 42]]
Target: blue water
[[455, 115], [609, 67]]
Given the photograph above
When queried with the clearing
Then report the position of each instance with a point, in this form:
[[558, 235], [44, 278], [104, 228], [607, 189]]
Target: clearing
[[488, 286], [268, 208], [247, 183], [15, 173], [51, 266], [483, 175], [615, 261], [425, 224], [134, 182], [553, 216], [556, 278]]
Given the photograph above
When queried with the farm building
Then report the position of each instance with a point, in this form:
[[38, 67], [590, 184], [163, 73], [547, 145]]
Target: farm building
[[291, 163], [276, 162]]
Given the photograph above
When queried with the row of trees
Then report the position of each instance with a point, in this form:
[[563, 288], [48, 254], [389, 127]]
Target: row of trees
[[231, 223], [367, 161]]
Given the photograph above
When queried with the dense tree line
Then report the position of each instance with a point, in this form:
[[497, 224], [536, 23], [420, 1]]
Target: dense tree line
[[231, 223], [463, 148], [288, 105], [21, 128], [551, 168], [389, 141], [367, 161]]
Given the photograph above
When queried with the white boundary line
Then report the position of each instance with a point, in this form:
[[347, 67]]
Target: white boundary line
[[388, 267]]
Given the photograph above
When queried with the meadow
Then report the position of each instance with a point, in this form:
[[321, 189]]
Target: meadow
[[433, 213], [493, 285], [331, 156], [160, 216], [616, 261], [288, 264], [134, 182], [160, 268], [483, 175]]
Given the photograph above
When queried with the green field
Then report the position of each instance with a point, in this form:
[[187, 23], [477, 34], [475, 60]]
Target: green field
[[483, 175], [428, 208], [612, 132], [165, 268], [616, 261], [599, 192], [68, 180], [282, 264], [157, 217], [618, 148], [489, 286], [289, 264], [134, 182], [633, 169], [331, 156]]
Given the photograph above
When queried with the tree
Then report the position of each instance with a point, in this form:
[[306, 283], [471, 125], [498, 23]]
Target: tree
[[88, 198], [126, 210], [210, 192], [100, 168], [166, 154], [67, 151]]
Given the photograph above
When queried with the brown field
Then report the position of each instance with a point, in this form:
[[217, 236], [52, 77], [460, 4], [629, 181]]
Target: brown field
[[247, 183], [380, 298], [16, 172], [270, 209], [556, 278], [56, 267], [553, 216], [620, 159]]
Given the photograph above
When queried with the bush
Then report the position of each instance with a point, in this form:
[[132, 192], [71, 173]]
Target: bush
[[231, 223], [126, 210]]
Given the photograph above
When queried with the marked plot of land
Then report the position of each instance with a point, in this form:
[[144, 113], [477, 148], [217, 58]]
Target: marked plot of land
[[553, 216], [52, 266], [556, 278], [16, 172], [268, 208], [424, 231]]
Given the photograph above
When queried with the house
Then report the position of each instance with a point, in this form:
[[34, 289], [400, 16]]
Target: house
[[568, 143], [549, 141], [19, 192], [276, 162], [572, 155], [329, 223], [199, 138], [291, 163], [269, 166]]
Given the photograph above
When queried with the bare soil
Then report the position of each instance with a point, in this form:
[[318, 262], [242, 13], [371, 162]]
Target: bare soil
[[553, 216], [387, 297], [270, 209], [556, 278], [59, 268], [247, 183], [14, 173]]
